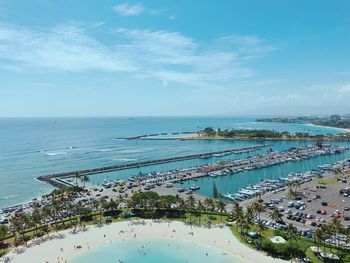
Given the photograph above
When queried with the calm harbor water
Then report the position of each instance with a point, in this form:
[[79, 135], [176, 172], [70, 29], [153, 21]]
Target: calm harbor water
[[156, 250], [33, 147]]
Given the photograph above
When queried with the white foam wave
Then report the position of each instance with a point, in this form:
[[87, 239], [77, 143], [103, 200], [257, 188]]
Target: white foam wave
[[55, 153], [105, 150]]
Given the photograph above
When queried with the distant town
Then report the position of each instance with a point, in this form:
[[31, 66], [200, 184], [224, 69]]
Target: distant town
[[336, 121]]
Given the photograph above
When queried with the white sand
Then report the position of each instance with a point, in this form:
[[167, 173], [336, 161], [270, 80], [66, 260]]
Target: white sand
[[50, 250]]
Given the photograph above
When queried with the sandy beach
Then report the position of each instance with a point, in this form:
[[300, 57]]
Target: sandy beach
[[63, 246]]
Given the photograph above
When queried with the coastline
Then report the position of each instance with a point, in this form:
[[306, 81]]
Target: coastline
[[256, 139], [62, 249], [347, 130]]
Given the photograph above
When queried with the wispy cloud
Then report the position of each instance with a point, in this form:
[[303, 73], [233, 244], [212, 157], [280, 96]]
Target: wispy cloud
[[332, 90], [171, 56], [64, 47], [129, 9], [164, 55]]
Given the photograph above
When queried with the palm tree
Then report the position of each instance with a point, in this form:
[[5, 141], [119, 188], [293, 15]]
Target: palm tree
[[319, 236], [84, 179], [209, 204], [17, 227], [337, 172], [244, 221], [76, 176], [275, 214], [221, 206], [200, 208], [4, 230], [291, 231], [102, 207], [249, 217], [238, 215], [36, 219], [335, 227], [261, 227], [258, 208], [190, 204], [47, 213], [182, 204]]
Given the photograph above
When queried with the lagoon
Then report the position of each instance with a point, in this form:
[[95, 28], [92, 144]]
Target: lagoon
[[156, 251]]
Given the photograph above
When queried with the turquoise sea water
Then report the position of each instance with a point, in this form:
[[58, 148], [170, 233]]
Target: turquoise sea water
[[33, 147], [156, 250]]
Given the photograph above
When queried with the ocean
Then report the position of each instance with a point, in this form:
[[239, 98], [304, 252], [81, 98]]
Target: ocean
[[31, 147]]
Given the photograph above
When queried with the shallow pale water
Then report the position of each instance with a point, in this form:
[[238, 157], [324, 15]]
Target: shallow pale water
[[33, 147], [156, 251]]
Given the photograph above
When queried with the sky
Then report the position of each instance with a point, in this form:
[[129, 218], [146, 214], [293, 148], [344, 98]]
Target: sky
[[174, 58]]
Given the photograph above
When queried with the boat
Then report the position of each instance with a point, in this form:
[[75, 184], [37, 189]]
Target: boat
[[194, 187], [229, 196]]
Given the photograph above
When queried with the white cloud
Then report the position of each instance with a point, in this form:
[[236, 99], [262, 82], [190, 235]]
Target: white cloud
[[65, 48], [172, 17], [344, 90], [171, 56], [129, 9], [163, 55], [332, 90]]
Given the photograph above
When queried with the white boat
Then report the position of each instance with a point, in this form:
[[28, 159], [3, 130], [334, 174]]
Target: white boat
[[194, 187], [229, 196]]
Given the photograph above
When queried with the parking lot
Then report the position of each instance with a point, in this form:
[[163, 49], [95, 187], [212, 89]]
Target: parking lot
[[313, 206]]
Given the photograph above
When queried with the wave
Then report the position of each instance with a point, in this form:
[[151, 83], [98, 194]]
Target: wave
[[138, 150], [7, 197], [55, 153], [105, 150], [124, 160]]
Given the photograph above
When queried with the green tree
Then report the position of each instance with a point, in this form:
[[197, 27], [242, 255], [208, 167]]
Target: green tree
[[257, 209], [77, 177], [275, 214], [291, 231], [221, 206], [84, 179], [209, 131], [4, 231], [190, 205], [209, 204]]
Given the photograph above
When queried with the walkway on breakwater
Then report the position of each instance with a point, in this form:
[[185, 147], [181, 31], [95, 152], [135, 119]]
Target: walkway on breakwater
[[55, 179]]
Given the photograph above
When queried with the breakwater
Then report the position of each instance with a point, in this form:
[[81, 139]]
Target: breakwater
[[55, 179], [144, 136]]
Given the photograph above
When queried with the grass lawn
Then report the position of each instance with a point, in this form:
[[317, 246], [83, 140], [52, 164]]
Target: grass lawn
[[327, 181], [204, 218]]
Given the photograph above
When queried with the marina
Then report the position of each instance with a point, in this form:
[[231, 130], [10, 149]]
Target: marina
[[174, 178], [56, 179]]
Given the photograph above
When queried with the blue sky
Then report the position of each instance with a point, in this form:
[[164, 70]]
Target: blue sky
[[203, 57]]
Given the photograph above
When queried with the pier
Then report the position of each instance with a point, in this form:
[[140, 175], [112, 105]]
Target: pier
[[55, 179]]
